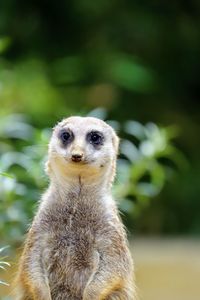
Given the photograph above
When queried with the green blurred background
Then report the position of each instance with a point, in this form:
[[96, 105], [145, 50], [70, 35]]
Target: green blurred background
[[133, 63]]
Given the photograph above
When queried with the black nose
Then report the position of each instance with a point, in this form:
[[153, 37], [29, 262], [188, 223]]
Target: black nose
[[77, 157]]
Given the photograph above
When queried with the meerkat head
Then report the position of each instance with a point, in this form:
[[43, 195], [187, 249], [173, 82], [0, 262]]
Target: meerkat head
[[83, 146]]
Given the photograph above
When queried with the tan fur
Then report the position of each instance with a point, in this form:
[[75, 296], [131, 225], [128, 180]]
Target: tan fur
[[77, 246]]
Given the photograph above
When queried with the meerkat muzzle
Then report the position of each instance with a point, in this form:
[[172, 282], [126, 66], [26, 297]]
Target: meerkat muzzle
[[76, 157]]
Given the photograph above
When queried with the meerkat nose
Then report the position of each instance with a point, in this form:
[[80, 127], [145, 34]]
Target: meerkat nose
[[77, 157]]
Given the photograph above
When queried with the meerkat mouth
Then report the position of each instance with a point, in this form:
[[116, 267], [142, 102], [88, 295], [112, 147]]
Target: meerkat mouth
[[79, 162], [76, 161]]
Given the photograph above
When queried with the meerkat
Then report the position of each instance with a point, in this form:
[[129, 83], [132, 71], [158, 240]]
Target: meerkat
[[77, 247]]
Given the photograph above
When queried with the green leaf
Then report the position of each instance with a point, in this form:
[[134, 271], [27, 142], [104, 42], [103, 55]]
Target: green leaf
[[4, 283], [4, 44], [7, 175], [127, 72]]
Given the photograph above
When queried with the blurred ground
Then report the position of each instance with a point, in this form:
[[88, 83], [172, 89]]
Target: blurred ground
[[166, 269]]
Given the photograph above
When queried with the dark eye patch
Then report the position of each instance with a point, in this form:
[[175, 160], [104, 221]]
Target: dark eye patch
[[95, 138], [66, 136]]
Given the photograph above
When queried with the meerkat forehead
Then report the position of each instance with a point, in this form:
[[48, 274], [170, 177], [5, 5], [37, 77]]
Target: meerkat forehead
[[84, 123]]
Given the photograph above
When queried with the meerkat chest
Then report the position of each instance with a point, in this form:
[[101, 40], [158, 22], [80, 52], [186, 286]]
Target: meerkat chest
[[69, 241], [72, 226]]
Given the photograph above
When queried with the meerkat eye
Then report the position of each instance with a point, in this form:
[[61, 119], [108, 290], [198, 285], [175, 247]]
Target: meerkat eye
[[95, 138], [66, 136]]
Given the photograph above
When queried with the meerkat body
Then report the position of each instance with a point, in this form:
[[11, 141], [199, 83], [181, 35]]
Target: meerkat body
[[77, 247]]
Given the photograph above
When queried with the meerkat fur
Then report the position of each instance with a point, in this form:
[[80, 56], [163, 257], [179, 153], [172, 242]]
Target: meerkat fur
[[77, 247]]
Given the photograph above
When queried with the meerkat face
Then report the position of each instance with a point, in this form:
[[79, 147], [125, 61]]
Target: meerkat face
[[83, 143]]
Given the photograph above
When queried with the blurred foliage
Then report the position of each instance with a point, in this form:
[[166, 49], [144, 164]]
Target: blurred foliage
[[23, 149], [3, 264], [141, 173], [138, 60], [150, 164]]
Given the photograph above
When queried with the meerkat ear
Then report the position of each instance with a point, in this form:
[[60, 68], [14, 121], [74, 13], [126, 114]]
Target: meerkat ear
[[115, 140], [47, 168]]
